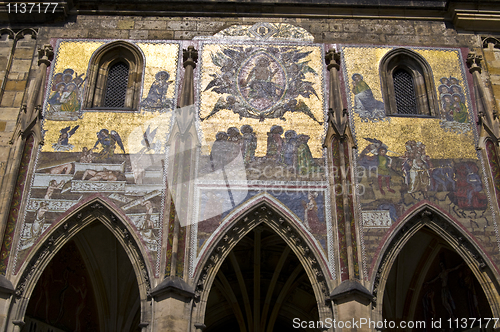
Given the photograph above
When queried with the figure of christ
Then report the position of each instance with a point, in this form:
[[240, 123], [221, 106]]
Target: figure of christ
[[446, 298], [260, 81]]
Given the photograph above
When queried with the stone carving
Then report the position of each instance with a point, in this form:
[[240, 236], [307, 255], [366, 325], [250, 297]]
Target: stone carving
[[53, 242], [260, 215], [266, 31], [428, 217]]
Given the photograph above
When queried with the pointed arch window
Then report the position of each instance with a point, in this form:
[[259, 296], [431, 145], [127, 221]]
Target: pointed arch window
[[407, 84], [115, 77]]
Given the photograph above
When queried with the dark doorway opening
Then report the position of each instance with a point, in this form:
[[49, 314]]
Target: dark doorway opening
[[89, 285], [261, 286]]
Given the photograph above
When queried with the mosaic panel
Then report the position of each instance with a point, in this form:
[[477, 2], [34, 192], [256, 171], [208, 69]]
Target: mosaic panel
[[68, 82], [307, 205], [404, 160], [262, 122], [114, 153], [264, 87]]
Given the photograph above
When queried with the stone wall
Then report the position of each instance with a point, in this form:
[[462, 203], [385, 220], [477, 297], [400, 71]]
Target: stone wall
[[364, 31]]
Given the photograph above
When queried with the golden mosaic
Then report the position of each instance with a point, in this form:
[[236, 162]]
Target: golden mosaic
[[159, 57], [75, 55], [130, 127]]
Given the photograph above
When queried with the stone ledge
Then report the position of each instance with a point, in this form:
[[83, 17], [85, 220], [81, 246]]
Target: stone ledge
[[6, 286], [175, 285], [351, 290]]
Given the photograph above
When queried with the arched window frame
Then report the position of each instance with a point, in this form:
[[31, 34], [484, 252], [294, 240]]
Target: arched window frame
[[102, 60], [423, 82]]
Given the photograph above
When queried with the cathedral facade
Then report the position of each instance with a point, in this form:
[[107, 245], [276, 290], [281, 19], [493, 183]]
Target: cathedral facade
[[201, 166]]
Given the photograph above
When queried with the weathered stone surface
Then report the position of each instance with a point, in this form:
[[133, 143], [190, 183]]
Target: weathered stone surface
[[150, 25]]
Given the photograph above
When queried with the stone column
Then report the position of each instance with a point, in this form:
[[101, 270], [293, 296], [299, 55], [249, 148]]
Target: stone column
[[172, 305], [184, 118], [487, 114], [342, 138], [28, 122], [350, 299], [173, 298]]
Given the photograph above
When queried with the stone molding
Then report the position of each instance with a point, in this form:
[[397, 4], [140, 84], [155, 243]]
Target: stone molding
[[56, 239]]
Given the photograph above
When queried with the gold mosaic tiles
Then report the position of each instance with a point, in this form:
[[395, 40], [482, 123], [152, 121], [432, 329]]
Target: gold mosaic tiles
[[159, 57], [396, 131], [296, 120]]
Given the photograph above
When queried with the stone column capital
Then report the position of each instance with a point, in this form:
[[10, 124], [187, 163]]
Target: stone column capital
[[45, 55], [190, 56], [332, 59], [474, 62]]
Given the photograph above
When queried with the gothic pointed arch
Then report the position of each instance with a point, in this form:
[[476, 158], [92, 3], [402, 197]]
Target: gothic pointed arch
[[119, 66], [407, 84], [451, 235], [95, 211], [263, 211]]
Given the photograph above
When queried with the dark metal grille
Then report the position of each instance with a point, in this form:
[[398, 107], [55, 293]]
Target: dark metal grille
[[406, 102], [116, 87]]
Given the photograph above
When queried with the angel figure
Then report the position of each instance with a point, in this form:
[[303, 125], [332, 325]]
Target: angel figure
[[147, 141], [63, 140], [108, 141]]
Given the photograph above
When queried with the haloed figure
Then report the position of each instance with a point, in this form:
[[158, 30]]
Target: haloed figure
[[384, 166]]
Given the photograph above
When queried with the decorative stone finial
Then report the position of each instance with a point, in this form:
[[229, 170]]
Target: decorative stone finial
[[474, 62], [332, 59], [45, 54], [190, 56]]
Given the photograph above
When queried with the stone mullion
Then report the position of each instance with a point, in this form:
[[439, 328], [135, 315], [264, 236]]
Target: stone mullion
[[173, 236], [340, 221], [341, 160], [486, 112], [350, 192], [494, 166], [184, 172], [345, 207], [488, 119], [15, 204]]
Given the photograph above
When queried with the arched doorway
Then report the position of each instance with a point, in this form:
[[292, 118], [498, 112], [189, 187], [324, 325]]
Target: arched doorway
[[94, 243], [260, 273], [429, 281], [89, 285], [261, 286], [431, 269]]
